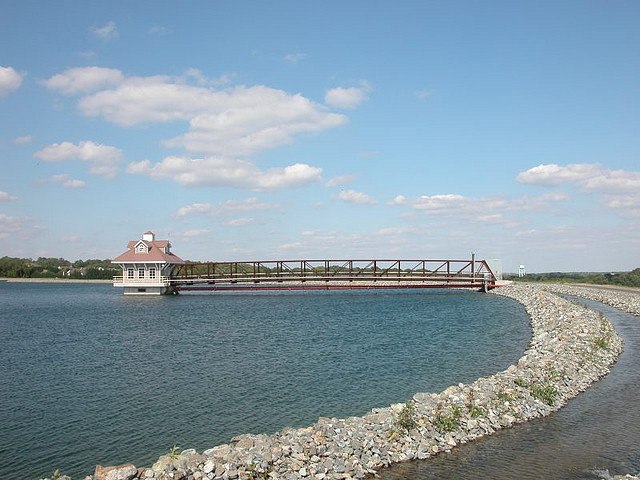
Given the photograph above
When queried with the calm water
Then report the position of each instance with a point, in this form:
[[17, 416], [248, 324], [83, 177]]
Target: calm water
[[91, 376], [595, 435]]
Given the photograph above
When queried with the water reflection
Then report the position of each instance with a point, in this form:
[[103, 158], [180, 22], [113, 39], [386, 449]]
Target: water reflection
[[596, 434]]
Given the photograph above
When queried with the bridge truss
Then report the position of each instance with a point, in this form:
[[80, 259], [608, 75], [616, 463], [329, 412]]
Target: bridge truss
[[333, 275]]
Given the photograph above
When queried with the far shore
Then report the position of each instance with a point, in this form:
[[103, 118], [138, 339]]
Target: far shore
[[52, 280]]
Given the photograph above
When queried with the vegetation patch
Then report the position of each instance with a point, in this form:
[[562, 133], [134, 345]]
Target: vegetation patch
[[407, 416], [448, 423], [476, 411], [546, 393], [521, 382], [174, 453]]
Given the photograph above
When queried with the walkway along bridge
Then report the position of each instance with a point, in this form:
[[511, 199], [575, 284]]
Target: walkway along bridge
[[333, 275]]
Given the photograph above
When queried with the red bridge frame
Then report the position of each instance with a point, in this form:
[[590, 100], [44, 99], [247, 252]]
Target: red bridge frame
[[333, 275]]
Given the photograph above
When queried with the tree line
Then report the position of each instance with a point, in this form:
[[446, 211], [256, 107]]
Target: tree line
[[622, 279], [44, 267]]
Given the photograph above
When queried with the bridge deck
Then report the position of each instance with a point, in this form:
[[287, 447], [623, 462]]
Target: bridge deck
[[334, 274]]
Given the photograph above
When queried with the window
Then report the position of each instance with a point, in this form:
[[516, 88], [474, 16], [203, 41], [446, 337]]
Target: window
[[141, 248], [141, 273], [130, 273], [152, 272]]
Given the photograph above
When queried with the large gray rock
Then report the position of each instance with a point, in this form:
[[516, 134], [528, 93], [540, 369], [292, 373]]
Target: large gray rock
[[118, 472]]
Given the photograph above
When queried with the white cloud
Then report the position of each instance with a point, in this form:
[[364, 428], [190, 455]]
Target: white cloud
[[159, 31], [84, 80], [424, 94], [240, 222], [347, 98], [438, 203], [483, 210], [10, 226], [106, 32], [351, 196], [222, 172], [398, 200], [66, 181], [244, 121], [10, 80], [236, 121], [368, 154], [251, 204], [193, 233], [103, 159], [194, 209], [225, 125], [339, 180], [295, 57], [24, 139], [5, 197], [586, 176]]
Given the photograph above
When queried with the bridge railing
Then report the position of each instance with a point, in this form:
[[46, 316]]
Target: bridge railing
[[472, 272]]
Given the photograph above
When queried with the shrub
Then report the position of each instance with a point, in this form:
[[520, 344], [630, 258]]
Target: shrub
[[407, 416]]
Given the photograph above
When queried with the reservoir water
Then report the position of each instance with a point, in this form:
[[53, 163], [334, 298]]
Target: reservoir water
[[91, 376]]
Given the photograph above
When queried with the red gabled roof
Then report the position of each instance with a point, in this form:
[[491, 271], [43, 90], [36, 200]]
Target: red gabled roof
[[155, 253]]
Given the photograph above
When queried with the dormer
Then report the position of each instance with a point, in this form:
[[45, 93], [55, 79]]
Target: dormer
[[141, 247]]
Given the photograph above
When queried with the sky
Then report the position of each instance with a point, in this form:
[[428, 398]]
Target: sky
[[300, 129]]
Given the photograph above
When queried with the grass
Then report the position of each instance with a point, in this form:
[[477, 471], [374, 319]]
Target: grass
[[546, 393], [476, 411], [601, 343], [506, 396], [448, 423], [521, 382], [174, 453]]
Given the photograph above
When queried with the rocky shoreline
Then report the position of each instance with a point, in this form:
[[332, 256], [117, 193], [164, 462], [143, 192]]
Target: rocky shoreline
[[570, 348]]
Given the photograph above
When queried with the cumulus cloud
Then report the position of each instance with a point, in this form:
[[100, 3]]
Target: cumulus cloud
[[436, 203], [66, 181], [423, 94], [347, 98], [219, 172], [251, 204], [240, 222], [103, 159], [194, 209], [84, 80], [295, 57], [10, 80], [194, 233], [398, 200], [339, 181], [586, 176], [6, 197], [225, 124], [22, 140], [256, 119], [352, 196], [159, 30], [484, 210], [10, 226], [236, 121], [106, 32]]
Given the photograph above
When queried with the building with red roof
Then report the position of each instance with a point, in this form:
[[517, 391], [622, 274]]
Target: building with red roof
[[146, 266]]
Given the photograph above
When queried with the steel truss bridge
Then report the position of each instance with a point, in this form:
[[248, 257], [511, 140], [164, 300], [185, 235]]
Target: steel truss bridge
[[333, 275]]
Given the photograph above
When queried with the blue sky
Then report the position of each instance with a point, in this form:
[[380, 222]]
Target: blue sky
[[297, 129]]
